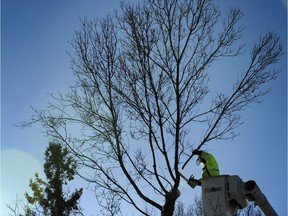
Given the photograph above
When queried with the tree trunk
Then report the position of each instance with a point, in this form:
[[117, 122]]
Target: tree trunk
[[170, 200]]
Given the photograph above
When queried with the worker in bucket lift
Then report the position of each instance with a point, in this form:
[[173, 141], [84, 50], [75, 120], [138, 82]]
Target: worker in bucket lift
[[210, 167]]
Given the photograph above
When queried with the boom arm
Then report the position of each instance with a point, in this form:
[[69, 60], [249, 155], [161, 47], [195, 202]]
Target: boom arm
[[253, 193]]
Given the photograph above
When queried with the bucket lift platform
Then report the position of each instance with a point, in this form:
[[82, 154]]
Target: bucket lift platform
[[224, 194]]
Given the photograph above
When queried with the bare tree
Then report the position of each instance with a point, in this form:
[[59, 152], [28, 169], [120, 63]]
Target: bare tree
[[143, 86], [16, 207], [194, 209], [250, 210]]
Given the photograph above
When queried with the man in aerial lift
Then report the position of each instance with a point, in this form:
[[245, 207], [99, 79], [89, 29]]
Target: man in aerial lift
[[210, 167], [225, 194]]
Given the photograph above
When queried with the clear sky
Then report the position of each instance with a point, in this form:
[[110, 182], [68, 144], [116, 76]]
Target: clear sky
[[34, 61]]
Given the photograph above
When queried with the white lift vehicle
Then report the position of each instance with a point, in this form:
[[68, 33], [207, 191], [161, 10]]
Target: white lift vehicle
[[224, 194]]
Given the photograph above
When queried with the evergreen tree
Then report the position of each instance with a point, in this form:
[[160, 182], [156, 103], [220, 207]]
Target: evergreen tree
[[59, 168]]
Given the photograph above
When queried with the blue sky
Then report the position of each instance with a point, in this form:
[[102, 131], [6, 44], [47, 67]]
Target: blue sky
[[34, 61]]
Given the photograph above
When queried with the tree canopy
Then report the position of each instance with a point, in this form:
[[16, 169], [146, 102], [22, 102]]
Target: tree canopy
[[142, 91]]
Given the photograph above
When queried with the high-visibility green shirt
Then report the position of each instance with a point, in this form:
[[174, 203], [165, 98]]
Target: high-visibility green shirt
[[210, 167]]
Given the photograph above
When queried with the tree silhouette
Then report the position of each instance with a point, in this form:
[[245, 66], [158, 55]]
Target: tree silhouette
[[195, 209], [59, 168], [142, 89]]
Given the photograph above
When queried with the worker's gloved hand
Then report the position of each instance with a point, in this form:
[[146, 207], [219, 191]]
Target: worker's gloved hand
[[196, 152], [193, 182]]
